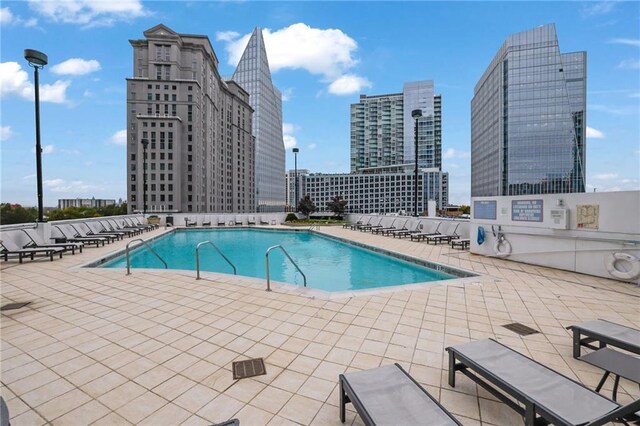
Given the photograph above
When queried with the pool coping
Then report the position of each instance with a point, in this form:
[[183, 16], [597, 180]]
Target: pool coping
[[469, 278]]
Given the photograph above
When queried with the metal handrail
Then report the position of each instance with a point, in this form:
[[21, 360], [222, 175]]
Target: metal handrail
[[147, 246], [292, 261], [218, 250]]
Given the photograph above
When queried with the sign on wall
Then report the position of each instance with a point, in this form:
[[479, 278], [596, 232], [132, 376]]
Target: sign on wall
[[587, 216], [526, 210], [485, 209]]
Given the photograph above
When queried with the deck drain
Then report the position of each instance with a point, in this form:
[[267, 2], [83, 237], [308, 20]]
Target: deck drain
[[521, 329], [11, 306], [248, 368]]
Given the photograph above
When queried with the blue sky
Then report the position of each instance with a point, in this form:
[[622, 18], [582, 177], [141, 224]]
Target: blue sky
[[323, 55]]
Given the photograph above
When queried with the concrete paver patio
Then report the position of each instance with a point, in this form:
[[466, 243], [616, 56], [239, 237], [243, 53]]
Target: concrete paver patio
[[96, 346]]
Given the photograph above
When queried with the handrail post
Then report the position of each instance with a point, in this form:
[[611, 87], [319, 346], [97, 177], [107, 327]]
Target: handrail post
[[144, 243], [235, 272], [289, 257]]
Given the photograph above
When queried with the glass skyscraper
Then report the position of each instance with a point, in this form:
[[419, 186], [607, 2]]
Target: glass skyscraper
[[528, 119], [254, 76]]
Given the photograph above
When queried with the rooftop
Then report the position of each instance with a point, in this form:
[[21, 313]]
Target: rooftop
[[96, 346]]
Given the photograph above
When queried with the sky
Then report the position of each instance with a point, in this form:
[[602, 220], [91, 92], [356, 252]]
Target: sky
[[322, 55]]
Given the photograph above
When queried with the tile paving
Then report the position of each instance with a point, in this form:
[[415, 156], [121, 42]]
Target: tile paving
[[96, 346]]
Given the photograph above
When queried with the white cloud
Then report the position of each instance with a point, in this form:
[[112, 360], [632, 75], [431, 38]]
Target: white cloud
[[630, 63], [70, 151], [605, 176], [27, 177], [594, 133], [60, 185], [227, 35], [89, 13], [5, 133], [47, 149], [76, 66], [311, 146], [15, 81], [598, 8], [287, 94], [454, 153], [627, 41], [328, 53], [8, 18], [348, 84], [119, 138], [289, 140]]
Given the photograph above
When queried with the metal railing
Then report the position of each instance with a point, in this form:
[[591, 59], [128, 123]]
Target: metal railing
[[147, 246], [292, 261], [218, 250]]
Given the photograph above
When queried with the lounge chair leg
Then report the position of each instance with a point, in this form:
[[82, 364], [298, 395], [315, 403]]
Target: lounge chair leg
[[342, 402], [604, 379], [529, 414], [452, 369], [615, 388], [576, 344]]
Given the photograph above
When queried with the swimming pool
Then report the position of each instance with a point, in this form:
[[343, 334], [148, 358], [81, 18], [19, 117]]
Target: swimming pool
[[329, 264]]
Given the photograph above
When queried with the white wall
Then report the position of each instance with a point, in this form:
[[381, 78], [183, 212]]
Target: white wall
[[575, 249]]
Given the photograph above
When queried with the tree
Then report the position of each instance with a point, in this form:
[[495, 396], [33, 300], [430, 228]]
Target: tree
[[337, 205], [465, 209], [15, 213], [306, 206]]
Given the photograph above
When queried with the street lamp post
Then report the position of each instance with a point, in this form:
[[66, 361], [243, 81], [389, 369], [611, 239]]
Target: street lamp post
[[37, 60], [145, 143], [416, 114], [295, 162]]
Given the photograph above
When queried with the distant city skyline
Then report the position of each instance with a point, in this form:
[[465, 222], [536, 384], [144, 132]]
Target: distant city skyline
[[321, 59]]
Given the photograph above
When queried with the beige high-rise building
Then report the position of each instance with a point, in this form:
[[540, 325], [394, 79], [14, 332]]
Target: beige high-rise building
[[197, 129]]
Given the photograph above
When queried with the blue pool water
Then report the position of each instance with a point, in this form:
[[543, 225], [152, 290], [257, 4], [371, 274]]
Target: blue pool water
[[329, 264]]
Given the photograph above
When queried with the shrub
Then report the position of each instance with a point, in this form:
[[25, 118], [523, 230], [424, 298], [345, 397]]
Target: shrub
[[291, 217]]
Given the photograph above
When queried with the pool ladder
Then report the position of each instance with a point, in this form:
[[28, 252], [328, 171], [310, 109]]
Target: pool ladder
[[147, 246], [292, 261], [219, 252]]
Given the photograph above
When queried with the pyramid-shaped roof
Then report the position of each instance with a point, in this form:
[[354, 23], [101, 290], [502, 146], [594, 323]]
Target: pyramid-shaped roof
[[255, 55]]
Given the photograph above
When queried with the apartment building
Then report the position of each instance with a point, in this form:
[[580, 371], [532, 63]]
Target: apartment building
[[194, 128]]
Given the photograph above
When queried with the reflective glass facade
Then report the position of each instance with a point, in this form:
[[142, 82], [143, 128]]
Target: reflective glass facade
[[254, 76], [528, 119]]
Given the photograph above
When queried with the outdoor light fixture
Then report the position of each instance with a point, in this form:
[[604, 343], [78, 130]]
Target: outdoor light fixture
[[416, 114], [295, 156], [145, 143], [37, 60]]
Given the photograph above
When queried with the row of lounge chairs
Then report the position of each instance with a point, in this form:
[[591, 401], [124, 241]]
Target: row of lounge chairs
[[208, 220], [429, 231], [27, 243], [389, 395]]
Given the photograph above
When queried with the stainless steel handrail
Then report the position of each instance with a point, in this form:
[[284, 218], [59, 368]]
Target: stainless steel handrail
[[292, 261], [147, 246], [218, 250]]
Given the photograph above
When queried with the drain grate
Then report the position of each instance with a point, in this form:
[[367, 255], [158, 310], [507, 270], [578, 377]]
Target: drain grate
[[521, 329], [248, 368], [11, 306]]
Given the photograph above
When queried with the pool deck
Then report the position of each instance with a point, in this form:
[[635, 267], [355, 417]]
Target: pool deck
[[96, 346]]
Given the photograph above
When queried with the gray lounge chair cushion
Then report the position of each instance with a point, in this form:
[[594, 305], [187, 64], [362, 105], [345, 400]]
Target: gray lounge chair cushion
[[548, 389], [392, 398], [611, 330]]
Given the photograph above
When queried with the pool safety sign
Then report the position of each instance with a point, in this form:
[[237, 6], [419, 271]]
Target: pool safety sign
[[526, 210], [485, 209]]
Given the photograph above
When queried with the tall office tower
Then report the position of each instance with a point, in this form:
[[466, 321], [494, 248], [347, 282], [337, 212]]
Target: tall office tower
[[197, 129], [254, 76], [382, 129], [528, 119]]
